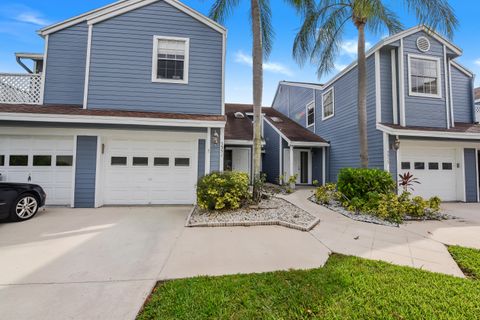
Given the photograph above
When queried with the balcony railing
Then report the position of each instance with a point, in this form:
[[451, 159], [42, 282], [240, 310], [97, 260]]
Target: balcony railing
[[477, 113], [20, 88]]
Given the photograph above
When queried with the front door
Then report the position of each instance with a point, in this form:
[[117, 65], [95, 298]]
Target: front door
[[301, 165]]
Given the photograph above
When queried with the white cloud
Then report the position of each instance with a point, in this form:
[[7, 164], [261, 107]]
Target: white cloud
[[274, 67], [349, 47], [477, 62], [32, 17]]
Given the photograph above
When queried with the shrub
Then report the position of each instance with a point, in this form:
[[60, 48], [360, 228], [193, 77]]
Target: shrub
[[227, 190], [325, 194], [358, 182]]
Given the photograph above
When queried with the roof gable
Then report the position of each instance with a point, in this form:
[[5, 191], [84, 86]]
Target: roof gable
[[123, 6]]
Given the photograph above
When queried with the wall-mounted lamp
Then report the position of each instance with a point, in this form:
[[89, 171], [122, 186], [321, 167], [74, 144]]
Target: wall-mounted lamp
[[396, 144], [215, 137]]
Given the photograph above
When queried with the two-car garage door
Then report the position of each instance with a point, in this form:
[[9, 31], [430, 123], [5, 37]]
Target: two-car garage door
[[435, 168], [149, 172]]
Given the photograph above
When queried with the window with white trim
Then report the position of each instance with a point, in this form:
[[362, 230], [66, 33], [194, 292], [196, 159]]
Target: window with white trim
[[424, 76], [170, 59], [311, 114], [328, 104]]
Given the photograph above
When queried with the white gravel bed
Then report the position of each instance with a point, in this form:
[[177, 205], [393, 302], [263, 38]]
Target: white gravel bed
[[273, 211]]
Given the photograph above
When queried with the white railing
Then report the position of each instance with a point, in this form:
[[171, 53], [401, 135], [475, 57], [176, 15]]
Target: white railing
[[477, 113], [18, 88]]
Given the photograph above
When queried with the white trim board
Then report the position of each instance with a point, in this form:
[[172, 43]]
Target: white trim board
[[332, 90], [61, 118], [87, 67], [378, 88], [123, 6], [429, 134], [411, 56], [44, 71]]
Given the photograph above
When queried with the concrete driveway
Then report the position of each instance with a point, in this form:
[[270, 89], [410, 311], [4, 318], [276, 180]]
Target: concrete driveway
[[103, 263]]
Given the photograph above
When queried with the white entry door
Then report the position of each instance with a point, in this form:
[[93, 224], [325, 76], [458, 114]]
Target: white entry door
[[150, 172], [43, 160], [238, 159], [435, 168], [302, 165]]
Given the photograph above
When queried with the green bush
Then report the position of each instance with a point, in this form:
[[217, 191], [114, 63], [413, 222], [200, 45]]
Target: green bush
[[359, 182], [325, 194], [227, 190]]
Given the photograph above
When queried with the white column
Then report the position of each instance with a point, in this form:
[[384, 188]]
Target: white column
[[324, 165], [207, 150], [291, 161], [222, 148]]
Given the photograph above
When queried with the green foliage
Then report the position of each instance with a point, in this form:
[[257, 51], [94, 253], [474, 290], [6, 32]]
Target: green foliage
[[227, 190], [359, 182], [434, 204], [345, 288], [327, 193], [259, 187], [468, 260]]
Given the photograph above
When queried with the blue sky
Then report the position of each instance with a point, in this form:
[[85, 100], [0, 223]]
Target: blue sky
[[20, 19]]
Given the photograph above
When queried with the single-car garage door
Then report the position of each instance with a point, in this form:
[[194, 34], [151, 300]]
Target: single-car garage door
[[43, 160], [150, 172], [435, 169]]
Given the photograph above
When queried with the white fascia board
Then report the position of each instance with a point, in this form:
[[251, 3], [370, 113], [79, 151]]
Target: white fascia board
[[276, 130], [303, 85], [429, 134], [60, 118], [123, 6], [461, 68], [238, 142], [308, 144]]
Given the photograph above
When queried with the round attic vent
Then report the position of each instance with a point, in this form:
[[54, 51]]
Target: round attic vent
[[239, 115], [423, 44]]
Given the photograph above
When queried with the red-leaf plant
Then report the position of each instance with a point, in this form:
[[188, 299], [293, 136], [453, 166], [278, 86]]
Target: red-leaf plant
[[407, 181]]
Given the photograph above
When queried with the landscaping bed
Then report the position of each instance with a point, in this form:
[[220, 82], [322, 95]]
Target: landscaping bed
[[271, 211], [345, 288], [468, 259]]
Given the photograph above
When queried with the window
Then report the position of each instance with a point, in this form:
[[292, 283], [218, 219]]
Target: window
[[433, 166], [419, 165], [182, 162], [424, 76], [405, 165], [161, 162], [2, 160], [18, 161], [64, 161], [170, 59], [328, 104], [228, 160], [311, 114], [42, 161], [447, 166], [140, 161], [118, 161]]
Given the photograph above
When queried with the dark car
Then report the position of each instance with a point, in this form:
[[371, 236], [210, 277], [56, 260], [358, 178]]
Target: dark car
[[20, 201]]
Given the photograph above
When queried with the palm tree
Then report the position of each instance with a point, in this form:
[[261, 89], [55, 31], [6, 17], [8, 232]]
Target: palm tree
[[263, 34], [320, 37]]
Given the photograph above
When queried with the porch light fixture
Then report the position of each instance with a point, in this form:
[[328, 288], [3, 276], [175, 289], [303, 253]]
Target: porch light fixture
[[396, 144], [215, 137]]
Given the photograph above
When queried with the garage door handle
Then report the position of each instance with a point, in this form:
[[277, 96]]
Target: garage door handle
[[29, 178]]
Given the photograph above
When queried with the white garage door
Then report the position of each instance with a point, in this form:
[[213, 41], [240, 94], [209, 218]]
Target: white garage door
[[150, 172], [46, 161], [435, 169]]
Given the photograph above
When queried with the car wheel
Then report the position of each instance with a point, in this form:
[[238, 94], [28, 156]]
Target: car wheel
[[24, 208]]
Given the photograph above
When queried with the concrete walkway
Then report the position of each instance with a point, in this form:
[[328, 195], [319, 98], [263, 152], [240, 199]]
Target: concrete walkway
[[414, 244]]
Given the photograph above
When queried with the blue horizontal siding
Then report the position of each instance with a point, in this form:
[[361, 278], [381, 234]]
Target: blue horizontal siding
[[471, 182], [463, 109], [85, 171]]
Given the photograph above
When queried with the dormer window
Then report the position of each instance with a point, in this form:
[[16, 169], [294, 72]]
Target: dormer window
[[170, 59], [424, 76]]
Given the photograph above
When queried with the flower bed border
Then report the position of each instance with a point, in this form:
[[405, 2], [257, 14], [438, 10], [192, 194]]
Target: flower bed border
[[275, 222]]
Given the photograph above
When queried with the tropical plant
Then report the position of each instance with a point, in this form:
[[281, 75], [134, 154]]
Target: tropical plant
[[407, 180], [320, 37], [360, 182], [223, 190], [263, 34]]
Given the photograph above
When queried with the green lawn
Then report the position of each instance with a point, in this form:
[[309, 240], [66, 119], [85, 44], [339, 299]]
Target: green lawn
[[346, 288], [468, 260]]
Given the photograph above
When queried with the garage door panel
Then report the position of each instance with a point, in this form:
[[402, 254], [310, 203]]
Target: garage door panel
[[152, 184]]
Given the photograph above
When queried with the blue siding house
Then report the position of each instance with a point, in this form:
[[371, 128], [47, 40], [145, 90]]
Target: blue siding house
[[421, 116], [128, 108]]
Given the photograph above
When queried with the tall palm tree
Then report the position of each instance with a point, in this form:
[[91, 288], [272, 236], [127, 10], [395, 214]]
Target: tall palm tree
[[263, 34], [320, 37]]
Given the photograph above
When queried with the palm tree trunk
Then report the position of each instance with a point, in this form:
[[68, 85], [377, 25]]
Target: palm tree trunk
[[362, 96], [257, 93]]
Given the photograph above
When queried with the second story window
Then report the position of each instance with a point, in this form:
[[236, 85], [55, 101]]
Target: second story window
[[328, 104], [170, 59], [311, 114], [424, 76]]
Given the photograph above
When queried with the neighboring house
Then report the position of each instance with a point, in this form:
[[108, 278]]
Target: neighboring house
[[128, 108], [420, 110], [303, 149], [477, 104]]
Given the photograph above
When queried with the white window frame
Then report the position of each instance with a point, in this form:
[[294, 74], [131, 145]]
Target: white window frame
[[439, 78], [310, 105], [185, 61], [332, 89]]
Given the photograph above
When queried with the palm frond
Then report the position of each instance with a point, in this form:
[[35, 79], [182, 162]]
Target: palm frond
[[380, 17], [437, 15], [221, 9], [266, 25]]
